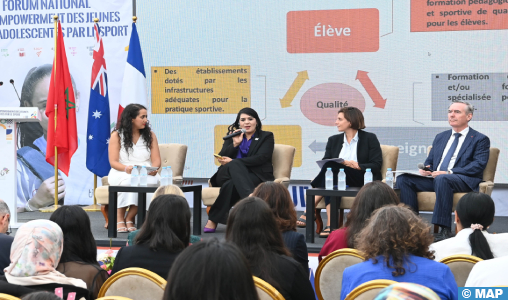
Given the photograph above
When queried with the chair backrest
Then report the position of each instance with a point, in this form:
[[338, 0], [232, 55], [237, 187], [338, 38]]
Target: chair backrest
[[173, 155], [490, 170], [134, 283], [265, 290], [282, 160], [369, 290], [328, 281], [8, 297], [390, 158], [113, 298], [460, 265]]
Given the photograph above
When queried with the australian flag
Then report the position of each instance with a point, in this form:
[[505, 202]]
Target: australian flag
[[98, 130]]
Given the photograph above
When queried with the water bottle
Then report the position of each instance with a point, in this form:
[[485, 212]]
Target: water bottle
[[164, 176], [134, 176], [389, 177], [342, 180], [143, 177], [367, 177], [329, 179], [170, 175]]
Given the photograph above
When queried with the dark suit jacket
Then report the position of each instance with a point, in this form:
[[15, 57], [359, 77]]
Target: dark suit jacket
[[368, 151], [5, 250], [471, 159], [141, 256], [259, 157], [295, 242], [19, 290]]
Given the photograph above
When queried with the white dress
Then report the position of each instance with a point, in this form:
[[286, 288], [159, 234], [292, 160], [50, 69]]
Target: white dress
[[139, 155]]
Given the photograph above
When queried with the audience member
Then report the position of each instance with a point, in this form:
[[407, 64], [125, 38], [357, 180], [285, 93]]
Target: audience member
[[41, 296], [252, 227], [162, 237], [35, 253], [490, 272], [473, 215], [283, 209], [370, 197], [395, 244], [5, 239], [210, 270], [406, 290], [79, 256]]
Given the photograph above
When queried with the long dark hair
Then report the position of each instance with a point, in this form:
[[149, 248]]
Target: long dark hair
[[129, 113], [477, 208], [252, 227], [79, 244], [167, 224], [279, 200], [248, 111], [210, 270], [28, 132], [371, 196]]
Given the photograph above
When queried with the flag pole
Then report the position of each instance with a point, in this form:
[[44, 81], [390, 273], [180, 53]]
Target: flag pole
[[55, 207], [94, 206]]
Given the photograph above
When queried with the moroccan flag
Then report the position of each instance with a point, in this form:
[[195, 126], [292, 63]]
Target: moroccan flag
[[98, 129], [61, 98], [134, 78]]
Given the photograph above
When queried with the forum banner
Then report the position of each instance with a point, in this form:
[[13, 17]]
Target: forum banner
[[26, 56]]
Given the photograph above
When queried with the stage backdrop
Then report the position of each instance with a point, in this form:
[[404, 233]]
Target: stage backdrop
[[26, 51]]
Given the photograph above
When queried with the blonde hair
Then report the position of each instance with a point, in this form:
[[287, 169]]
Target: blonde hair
[[167, 189]]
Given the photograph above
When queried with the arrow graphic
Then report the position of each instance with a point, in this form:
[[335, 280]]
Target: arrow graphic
[[316, 146], [371, 89], [293, 89]]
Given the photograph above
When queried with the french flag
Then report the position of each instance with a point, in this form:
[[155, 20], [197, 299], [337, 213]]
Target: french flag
[[134, 78]]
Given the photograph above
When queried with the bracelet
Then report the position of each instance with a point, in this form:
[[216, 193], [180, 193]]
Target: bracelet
[[125, 170]]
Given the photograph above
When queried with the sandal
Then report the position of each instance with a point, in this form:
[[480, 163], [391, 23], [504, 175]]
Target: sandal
[[301, 222], [325, 233], [122, 229], [132, 228]]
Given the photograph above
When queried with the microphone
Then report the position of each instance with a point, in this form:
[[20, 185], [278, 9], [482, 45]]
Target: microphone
[[423, 167], [1, 83], [12, 82], [234, 134]]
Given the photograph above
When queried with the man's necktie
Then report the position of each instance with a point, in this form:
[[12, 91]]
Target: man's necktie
[[448, 157]]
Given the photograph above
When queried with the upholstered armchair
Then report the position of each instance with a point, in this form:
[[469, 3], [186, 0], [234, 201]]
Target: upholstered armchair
[[265, 290], [460, 265], [134, 283]]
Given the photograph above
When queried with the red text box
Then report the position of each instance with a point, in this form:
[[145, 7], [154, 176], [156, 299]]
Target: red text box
[[328, 31]]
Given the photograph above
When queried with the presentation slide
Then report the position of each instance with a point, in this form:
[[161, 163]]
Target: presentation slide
[[402, 63]]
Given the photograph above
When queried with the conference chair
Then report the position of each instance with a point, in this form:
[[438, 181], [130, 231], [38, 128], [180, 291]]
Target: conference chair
[[390, 158], [369, 290], [460, 265], [134, 283], [328, 281], [8, 297], [427, 200], [114, 298], [265, 290], [282, 161], [173, 155]]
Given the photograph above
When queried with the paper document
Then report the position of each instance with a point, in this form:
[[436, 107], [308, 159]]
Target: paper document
[[410, 172], [321, 163], [148, 169]]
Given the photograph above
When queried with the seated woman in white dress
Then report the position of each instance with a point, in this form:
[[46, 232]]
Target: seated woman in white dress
[[133, 144], [473, 216]]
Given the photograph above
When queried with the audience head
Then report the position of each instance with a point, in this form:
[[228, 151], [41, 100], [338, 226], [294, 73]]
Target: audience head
[[166, 190], [395, 232], [407, 290], [279, 200], [5, 217], [42, 295], [167, 224], [210, 270], [476, 211], [79, 243], [371, 196]]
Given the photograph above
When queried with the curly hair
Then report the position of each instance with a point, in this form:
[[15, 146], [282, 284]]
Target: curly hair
[[279, 200], [395, 232], [130, 112]]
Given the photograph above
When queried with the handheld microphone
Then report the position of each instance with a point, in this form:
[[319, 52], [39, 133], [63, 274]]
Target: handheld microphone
[[423, 167], [234, 134], [1, 83], [12, 82]]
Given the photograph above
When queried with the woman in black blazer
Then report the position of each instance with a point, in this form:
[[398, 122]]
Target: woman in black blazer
[[246, 161], [367, 156]]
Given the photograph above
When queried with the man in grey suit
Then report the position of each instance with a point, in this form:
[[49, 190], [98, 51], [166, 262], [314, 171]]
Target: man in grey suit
[[457, 159], [5, 239]]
